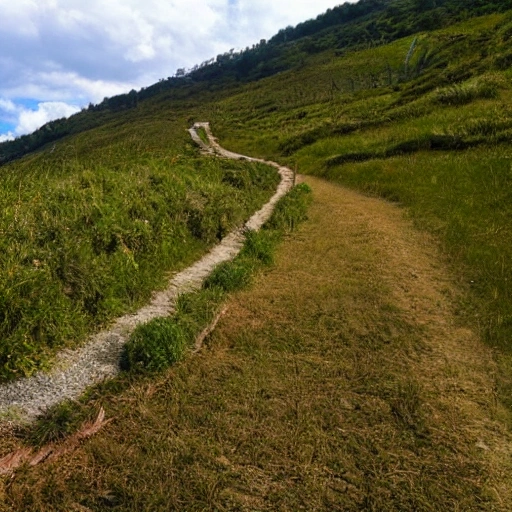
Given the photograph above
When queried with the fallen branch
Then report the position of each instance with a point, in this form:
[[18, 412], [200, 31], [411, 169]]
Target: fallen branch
[[14, 460], [207, 331]]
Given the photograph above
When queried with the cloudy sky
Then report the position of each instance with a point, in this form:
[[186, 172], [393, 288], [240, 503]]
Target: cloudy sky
[[56, 56]]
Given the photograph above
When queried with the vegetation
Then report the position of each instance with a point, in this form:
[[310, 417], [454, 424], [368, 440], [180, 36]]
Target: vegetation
[[317, 391], [367, 23], [158, 344], [344, 398], [91, 228], [434, 138], [161, 342]]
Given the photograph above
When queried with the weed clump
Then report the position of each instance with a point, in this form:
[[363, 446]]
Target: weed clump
[[230, 276], [155, 345], [57, 423], [462, 94]]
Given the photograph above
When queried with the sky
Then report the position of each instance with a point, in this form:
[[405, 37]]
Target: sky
[[57, 56]]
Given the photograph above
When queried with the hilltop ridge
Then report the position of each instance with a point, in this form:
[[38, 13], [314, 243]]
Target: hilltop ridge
[[367, 23]]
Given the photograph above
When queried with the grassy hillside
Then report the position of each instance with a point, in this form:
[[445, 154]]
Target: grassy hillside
[[424, 121], [92, 225], [339, 380], [365, 24], [349, 376]]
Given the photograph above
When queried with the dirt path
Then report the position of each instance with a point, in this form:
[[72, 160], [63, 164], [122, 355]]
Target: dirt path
[[342, 379], [74, 370], [376, 397]]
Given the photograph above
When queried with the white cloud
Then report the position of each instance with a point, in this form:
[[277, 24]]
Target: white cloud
[[7, 136], [7, 106], [31, 120], [27, 120], [78, 52]]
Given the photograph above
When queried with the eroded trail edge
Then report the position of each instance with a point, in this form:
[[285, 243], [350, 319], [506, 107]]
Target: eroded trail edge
[[75, 370]]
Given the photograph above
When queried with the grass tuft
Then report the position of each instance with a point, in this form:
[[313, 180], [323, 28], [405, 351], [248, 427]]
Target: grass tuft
[[462, 94], [230, 276], [57, 423], [155, 346]]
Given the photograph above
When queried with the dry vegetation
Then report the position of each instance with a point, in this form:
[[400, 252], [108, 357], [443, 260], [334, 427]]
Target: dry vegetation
[[342, 380]]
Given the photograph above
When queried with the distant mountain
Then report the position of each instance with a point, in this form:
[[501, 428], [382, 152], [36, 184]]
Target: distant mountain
[[349, 26]]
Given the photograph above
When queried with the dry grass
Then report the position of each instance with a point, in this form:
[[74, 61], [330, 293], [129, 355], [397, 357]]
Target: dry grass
[[341, 380]]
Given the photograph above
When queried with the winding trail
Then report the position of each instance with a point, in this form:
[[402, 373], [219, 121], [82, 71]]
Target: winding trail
[[75, 370]]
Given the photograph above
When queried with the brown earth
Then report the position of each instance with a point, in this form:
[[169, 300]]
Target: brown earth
[[385, 352]]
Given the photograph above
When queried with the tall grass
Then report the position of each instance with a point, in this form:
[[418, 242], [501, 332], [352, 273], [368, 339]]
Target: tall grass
[[436, 141], [90, 229]]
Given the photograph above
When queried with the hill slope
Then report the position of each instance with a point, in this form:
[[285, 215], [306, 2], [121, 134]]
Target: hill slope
[[424, 121], [342, 380], [352, 375], [367, 23]]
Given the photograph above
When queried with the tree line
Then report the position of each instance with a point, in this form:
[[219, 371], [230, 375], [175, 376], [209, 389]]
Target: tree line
[[366, 23]]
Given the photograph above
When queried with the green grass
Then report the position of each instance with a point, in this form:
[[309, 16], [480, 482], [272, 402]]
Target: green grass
[[161, 342], [436, 140], [91, 228], [465, 199], [156, 345], [318, 390], [358, 117], [203, 135]]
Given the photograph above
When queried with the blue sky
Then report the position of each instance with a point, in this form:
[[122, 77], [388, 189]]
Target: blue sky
[[59, 55]]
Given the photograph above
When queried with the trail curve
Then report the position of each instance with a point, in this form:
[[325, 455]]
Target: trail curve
[[98, 359]]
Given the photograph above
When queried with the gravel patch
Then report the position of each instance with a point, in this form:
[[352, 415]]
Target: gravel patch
[[74, 370]]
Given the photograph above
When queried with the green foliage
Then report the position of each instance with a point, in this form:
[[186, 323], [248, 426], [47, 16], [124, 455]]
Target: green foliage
[[91, 226], [90, 229], [437, 141], [291, 210], [365, 24], [202, 135], [160, 343], [259, 246], [155, 346]]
